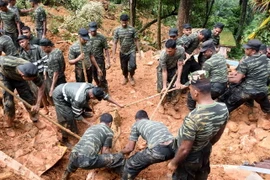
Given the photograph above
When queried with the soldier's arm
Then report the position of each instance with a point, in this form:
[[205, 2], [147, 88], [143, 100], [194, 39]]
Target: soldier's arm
[[72, 59], [164, 78], [54, 80], [129, 147], [179, 73], [105, 150], [111, 100], [93, 60], [41, 90], [115, 41], [218, 135], [106, 49]]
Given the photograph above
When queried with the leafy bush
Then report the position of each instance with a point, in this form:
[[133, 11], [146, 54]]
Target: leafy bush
[[75, 4]]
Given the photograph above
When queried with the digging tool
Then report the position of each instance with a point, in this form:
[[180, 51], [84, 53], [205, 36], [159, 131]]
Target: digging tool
[[28, 105], [163, 96]]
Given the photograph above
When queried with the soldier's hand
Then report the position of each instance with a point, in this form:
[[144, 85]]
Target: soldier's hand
[[108, 66], [100, 74], [177, 85], [51, 92], [35, 108], [81, 56], [163, 89], [171, 166]]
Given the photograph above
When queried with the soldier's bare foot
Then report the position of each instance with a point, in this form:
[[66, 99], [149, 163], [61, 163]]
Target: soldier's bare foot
[[125, 80], [39, 124], [132, 81], [10, 132]]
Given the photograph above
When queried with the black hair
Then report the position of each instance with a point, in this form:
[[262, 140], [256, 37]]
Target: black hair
[[202, 85], [106, 118], [170, 43], [141, 114], [26, 28], [3, 3], [219, 25], [206, 34]]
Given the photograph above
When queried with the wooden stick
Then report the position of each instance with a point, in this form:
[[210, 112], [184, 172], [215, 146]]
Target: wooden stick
[[83, 64], [163, 96], [28, 105]]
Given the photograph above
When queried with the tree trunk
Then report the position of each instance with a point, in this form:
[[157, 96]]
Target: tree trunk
[[209, 7], [242, 20], [183, 14], [159, 25], [132, 7]]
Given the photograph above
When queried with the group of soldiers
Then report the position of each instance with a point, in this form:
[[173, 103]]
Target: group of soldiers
[[31, 62]]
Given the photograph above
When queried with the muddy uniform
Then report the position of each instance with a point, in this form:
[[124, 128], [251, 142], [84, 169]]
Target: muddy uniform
[[127, 37], [216, 68], [98, 44], [156, 134], [190, 43], [74, 52], [85, 153], [199, 126], [56, 63], [70, 99], [40, 16], [7, 46], [9, 20], [13, 80], [253, 86]]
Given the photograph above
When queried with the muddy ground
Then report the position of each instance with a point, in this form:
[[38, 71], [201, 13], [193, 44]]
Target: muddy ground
[[246, 137]]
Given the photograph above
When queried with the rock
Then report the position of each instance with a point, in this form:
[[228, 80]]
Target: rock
[[260, 134], [265, 143], [247, 142], [132, 91], [233, 126], [150, 63], [244, 128], [263, 123]]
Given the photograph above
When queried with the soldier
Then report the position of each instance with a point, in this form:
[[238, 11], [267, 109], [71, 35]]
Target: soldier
[[99, 45], [268, 52], [128, 41], [218, 28], [6, 45], [9, 22], [27, 32], [70, 100], [187, 30], [170, 63], [201, 129], [81, 51], [159, 145], [85, 154], [55, 64], [253, 73], [40, 19], [190, 44], [14, 74], [215, 67]]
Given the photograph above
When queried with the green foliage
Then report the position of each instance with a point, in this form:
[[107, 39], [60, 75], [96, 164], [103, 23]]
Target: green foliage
[[92, 11], [75, 4]]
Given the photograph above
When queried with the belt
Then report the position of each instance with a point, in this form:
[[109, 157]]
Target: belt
[[166, 143]]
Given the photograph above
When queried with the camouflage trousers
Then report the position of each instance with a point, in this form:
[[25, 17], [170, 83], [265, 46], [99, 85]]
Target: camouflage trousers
[[217, 89], [100, 81], [128, 63], [24, 92], [14, 37], [80, 76], [112, 161], [195, 167], [235, 97], [141, 160], [191, 65]]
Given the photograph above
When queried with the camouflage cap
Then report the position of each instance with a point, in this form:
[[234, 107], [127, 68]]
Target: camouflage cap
[[173, 32], [253, 44], [28, 69], [197, 75], [209, 44], [187, 26]]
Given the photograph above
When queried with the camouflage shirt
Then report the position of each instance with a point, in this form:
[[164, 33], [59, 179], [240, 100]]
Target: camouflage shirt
[[56, 63], [94, 138], [34, 55], [181, 41], [8, 67], [216, 67], [33, 40], [255, 69], [216, 39], [16, 10], [202, 124], [9, 20], [152, 131], [98, 43], [190, 43], [170, 62], [7, 46], [75, 51], [40, 16], [127, 37]]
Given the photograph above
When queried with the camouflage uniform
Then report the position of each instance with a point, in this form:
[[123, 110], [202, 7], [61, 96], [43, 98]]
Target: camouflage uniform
[[56, 63], [74, 52], [7, 46], [9, 20], [216, 39], [255, 68], [216, 68], [99, 43], [85, 153], [199, 126], [155, 133], [13, 80], [70, 100], [190, 43], [33, 40], [127, 37], [169, 63], [40, 16]]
